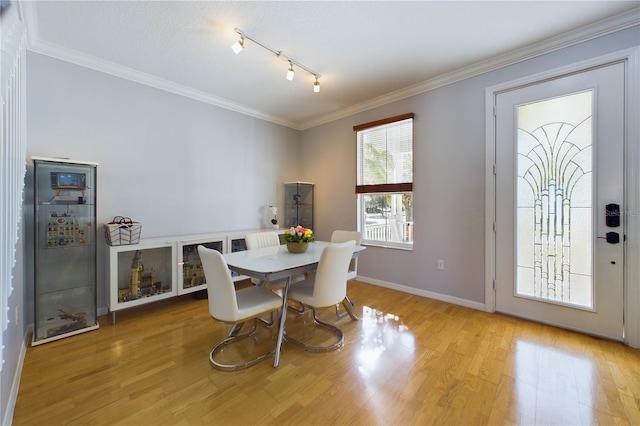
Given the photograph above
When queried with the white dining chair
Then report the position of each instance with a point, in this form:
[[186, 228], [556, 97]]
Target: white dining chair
[[256, 240], [326, 289], [339, 236], [234, 307]]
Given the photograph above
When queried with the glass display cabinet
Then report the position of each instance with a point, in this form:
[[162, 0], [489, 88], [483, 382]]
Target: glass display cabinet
[[140, 273], [298, 204], [65, 275], [192, 274]]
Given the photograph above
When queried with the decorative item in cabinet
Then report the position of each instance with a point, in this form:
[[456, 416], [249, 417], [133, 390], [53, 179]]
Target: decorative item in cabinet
[[235, 242], [65, 277], [141, 274], [189, 263], [298, 204]]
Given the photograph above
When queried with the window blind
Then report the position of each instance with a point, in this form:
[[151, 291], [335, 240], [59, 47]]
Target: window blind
[[385, 155]]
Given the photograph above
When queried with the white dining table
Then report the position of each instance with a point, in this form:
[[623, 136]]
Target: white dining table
[[274, 263]]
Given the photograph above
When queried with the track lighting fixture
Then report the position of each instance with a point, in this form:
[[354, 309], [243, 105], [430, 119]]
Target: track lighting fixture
[[238, 46], [290, 72]]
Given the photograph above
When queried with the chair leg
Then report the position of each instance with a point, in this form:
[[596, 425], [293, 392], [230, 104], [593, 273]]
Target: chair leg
[[298, 311], [269, 323], [235, 329], [231, 339], [349, 309], [323, 324]]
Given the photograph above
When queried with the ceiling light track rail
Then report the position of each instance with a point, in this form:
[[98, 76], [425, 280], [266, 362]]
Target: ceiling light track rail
[[239, 46]]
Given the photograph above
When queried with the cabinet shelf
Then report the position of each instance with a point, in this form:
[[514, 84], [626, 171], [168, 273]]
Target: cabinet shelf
[[64, 203]]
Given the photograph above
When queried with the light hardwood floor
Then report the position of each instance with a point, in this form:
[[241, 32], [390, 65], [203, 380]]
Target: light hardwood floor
[[408, 361]]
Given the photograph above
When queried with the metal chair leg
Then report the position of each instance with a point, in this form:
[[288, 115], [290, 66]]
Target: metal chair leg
[[323, 324], [232, 338], [298, 311], [349, 309], [269, 323], [235, 329]]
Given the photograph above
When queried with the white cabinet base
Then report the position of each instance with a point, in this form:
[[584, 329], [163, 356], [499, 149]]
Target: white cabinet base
[[160, 268]]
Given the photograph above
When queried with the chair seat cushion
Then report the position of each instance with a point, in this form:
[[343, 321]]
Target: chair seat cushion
[[303, 291], [254, 301]]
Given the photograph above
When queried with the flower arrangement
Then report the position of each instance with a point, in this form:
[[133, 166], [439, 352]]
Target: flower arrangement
[[299, 234]]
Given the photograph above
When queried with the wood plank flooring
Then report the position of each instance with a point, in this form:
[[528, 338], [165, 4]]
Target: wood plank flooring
[[408, 361]]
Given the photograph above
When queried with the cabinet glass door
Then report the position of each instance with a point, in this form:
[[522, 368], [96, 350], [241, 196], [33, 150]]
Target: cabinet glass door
[[236, 243], [193, 278], [298, 204], [65, 249], [144, 273]]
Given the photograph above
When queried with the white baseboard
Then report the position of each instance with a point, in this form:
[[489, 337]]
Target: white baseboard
[[7, 419], [424, 293]]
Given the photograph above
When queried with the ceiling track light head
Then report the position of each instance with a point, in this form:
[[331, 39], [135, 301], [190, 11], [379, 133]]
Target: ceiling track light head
[[238, 45], [290, 72], [316, 85]]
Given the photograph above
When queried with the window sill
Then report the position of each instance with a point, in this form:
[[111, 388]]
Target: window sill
[[405, 247]]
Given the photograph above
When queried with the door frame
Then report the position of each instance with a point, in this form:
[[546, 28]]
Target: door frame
[[631, 58]]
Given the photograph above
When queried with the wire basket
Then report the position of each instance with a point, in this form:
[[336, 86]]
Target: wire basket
[[122, 231], [294, 247]]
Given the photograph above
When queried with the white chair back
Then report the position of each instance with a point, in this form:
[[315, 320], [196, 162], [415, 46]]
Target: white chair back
[[340, 236], [330, 287], [223, 304], [262, 239]]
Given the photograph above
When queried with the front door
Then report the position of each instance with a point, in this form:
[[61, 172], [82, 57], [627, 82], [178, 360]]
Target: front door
[[559, 201]]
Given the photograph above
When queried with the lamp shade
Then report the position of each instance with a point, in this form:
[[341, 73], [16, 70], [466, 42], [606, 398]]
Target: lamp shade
[[290, 73], [237, 46]]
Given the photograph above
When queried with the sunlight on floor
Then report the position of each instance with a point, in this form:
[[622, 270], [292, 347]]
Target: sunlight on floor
[[379, 332], [553, 385]]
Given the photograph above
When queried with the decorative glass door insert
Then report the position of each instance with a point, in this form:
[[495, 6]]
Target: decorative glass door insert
[[559, 167], [554, 192]]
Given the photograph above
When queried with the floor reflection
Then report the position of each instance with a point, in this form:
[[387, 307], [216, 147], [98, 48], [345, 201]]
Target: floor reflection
[[379, 332], [553, 386]]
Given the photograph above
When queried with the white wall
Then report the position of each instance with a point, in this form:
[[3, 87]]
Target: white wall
[[12, 147], [177, 165], [449, 177]]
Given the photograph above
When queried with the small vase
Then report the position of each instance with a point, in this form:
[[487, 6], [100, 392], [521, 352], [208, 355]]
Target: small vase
[[297, 247]]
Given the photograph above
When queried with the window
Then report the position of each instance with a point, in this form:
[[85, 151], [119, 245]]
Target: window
[[385, 181]]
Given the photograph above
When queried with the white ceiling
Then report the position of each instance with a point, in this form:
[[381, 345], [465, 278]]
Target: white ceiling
[[368, 52]]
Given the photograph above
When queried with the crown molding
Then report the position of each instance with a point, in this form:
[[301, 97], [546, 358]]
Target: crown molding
[[73, 56], [28, 10], [589, 32], [598, 29], [92, 62]]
